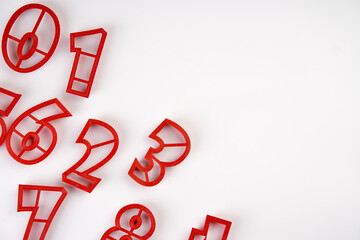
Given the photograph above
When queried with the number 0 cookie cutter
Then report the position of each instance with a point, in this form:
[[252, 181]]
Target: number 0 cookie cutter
[[21, 57]]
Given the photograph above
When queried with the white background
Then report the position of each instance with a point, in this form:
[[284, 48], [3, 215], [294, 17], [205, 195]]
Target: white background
[[268, 91]]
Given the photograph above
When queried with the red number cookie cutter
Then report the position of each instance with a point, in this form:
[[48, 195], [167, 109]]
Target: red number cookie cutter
[[77, 85], [29, 57], [152, 160], [27, 148], [132, 222], [85, 175], [38, 220], [3, 131], [210, 219], [5, 112]]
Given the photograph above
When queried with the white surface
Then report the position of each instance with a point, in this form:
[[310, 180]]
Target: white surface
[[267, 90]]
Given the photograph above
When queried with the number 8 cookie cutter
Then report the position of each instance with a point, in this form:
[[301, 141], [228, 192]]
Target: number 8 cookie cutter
[[134, 224]]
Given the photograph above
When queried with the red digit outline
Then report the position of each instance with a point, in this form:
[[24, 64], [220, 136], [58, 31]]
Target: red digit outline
[[6, 112], [3, 131], [79, 52], [89, 147], [134, 224], [210, 219], [35, 207], [34, 135], [15, 96], [151, 159], [28, 35]]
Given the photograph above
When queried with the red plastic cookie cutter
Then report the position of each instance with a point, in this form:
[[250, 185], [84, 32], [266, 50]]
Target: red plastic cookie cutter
[[9, 108], [152, 160], [3, 131], [85, 175], [30, 148], [5, 112], [39, 220], [82, 86], [29, 57], [209, 220], [132, 222]]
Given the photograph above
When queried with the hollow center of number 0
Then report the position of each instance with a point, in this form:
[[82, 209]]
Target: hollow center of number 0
[[27, 45]]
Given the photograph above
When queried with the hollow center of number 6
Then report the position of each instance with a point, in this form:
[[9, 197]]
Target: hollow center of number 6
[[27, 46], [30, 141]]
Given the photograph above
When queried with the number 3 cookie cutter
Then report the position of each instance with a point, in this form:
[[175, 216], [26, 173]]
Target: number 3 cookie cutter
[[152, 160]]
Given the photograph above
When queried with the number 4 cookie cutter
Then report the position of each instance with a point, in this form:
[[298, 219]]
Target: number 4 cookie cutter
[[204, 232]]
